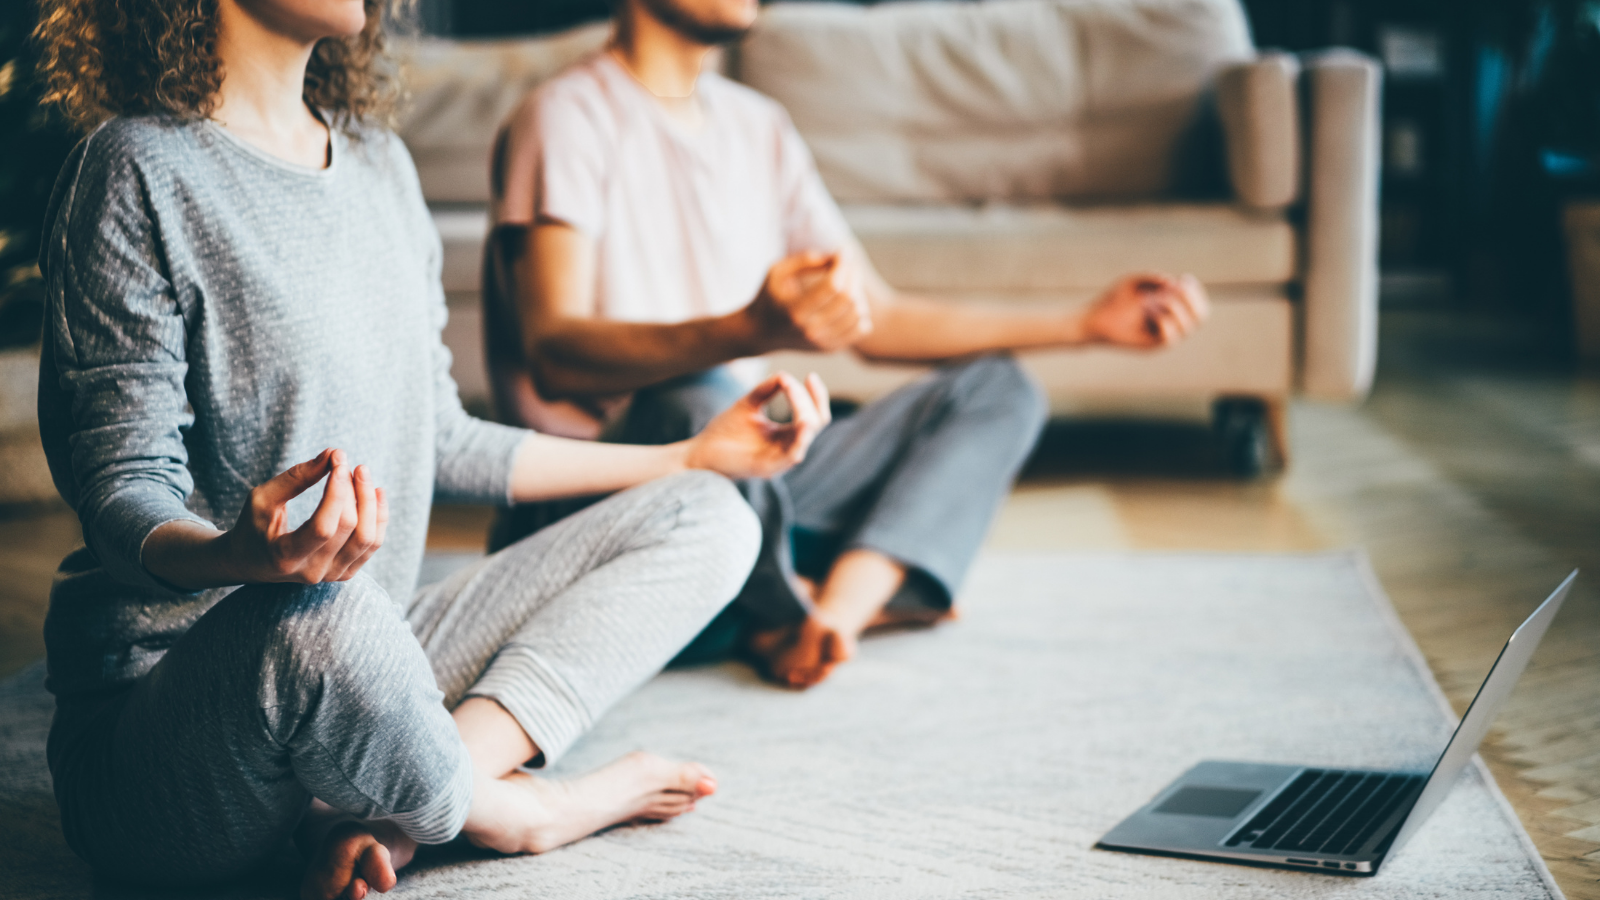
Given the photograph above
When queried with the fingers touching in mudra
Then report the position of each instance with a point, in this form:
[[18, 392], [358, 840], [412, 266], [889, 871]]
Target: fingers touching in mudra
[[743, 442], [346, 529], [811, 301], [1148, 310]]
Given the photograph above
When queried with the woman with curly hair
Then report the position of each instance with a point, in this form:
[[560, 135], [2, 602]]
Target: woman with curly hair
[[241, 274]]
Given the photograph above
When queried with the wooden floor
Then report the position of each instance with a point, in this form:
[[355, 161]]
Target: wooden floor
[[1471, 478]]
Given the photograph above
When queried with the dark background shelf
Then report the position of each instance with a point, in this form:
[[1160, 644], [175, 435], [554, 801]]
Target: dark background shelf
[[1471, 202]]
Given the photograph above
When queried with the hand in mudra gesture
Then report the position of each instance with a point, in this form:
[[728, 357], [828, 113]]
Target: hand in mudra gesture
[[743, 442], [1147, 310], [346, 529], [810, 301]]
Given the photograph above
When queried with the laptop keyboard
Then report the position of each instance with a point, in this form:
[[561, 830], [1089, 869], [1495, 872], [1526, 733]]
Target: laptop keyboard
[[1327, 811]]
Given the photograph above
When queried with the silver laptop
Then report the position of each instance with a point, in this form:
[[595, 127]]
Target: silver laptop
[[1338, 821]]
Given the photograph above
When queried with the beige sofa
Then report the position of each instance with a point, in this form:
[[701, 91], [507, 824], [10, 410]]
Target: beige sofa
[[1025, 152]]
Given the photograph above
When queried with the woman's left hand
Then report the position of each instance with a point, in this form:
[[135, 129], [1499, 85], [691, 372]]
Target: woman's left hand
[[743, 443]]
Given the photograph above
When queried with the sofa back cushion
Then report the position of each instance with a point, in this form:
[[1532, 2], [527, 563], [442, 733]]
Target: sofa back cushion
[[460, 93], [996, 100]]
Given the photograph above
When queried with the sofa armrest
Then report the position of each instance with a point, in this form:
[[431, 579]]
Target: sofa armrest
[[1340, 314], [1260, 111]]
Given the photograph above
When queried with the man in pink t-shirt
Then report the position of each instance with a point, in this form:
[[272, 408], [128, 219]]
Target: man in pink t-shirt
[[656, 228]]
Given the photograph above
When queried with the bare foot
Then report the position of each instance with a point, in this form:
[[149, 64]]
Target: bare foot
[[353, 857], [802, 656], [523, 814]]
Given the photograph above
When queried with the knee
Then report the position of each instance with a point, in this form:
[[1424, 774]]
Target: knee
[[716, 501], [319, 630], [999, 385], [339, 609], [724, 524], [342, 639]]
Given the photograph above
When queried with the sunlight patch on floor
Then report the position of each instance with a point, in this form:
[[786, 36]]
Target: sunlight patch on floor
[[1059, 517], [1148, 514]]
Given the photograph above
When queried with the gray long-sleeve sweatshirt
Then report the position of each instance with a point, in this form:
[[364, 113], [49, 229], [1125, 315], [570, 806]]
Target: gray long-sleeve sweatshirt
[[216, 315]]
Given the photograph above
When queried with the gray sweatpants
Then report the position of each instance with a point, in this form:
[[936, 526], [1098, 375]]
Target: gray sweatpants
[[278, 694], [916, 475]]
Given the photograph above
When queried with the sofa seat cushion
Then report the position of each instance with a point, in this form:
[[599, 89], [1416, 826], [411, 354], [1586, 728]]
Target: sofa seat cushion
[[1000, 100], [936, 247], [1046, 248], [1245, 348]]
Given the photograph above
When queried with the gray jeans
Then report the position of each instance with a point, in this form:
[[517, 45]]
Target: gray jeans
[[203, 767], [917, 476]]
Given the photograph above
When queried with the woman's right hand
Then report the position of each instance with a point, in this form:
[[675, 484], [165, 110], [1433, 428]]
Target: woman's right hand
[[347, 528]]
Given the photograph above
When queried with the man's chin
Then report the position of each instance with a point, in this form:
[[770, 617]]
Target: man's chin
[[711, 34], [731, 36]]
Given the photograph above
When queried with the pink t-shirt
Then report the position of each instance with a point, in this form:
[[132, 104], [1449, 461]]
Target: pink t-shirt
[[685, 225]]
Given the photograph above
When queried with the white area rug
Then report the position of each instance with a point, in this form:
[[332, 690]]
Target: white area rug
[[979, 759]]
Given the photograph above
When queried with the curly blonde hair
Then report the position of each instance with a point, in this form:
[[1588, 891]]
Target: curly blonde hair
[[105, 58]]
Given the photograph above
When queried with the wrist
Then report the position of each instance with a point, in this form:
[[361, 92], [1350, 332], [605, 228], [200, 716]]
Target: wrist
[[684, 455], [1075, 329], [742, 334], [220, 555], [190, 556]]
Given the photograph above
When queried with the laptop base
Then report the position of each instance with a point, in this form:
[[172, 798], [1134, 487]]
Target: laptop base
[[1332, 821]]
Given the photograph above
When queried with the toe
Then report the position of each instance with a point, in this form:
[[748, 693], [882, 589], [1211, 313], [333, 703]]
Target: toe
[[816, 674], [377, 868], [667, 806], [694, 780], [330, 875], [350, 863]]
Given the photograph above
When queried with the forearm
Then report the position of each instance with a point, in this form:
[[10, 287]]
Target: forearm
[[584, 357], [550, 468], [189, 555], [915, 330]]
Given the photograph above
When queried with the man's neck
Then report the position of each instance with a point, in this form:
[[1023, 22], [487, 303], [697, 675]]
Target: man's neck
[[261, 98], [667, 63]]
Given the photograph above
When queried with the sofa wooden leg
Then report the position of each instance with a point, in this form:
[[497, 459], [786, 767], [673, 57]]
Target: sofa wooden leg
[[1241, 427], [1278, 430], [1254, 433]]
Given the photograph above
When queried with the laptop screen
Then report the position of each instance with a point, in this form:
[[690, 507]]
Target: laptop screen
[[1480, 715]]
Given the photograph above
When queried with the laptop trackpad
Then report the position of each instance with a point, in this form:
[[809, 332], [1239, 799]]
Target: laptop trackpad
[[1222, 803]]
